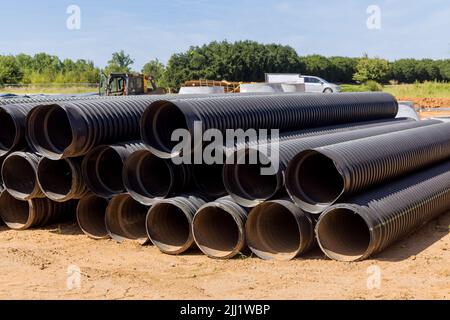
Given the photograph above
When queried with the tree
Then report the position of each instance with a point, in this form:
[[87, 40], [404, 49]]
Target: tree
[[157, 70], [444, 69], [404, 70], [239, 61], [317, 65], [374, 69], [120, 62], [342, 69], [10, 72]]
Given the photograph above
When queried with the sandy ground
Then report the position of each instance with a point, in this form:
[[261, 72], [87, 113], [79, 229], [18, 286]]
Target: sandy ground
[[37, 264]]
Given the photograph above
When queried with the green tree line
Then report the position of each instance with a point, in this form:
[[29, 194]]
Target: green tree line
[[45, 68], [246, 61]]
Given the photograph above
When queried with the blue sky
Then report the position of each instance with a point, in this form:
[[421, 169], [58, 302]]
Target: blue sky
[[156, 29]]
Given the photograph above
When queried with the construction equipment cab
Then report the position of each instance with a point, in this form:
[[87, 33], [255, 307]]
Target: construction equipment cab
[[127, 84]]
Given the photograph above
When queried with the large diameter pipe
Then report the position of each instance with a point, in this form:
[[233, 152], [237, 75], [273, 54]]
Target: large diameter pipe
[[12, 128], [91, 212], [364, 225], [61, 180], [19, 174], [207, 177], [279, 230], [319, 177], [248, 187], [276, 111], [13, 113], [72, 129], [38, 212], [125, 219], [148, 178], [102, 168], [169, 223], [219, 228]]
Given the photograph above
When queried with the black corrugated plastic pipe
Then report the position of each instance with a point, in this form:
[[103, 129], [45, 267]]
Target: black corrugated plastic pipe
[[38, 212], [369, 222], [148, 177], [13, 113], [249, 188], [125, 219], [219, 228], [62, 180], [208, 177], [278, 229], [102, 168], [283, 112], [317, 178], [19, 174], [91, 212], [169, 223], [12, 128], [72, 129]]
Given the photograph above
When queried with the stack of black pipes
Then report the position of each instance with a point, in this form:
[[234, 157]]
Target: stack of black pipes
[[343, 172]]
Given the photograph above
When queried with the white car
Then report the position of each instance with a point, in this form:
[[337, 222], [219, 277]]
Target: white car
[[316, 84]]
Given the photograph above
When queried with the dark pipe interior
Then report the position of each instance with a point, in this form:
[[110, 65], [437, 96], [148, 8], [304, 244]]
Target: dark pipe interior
[[50, 128], [91, 216], [343, 234], [7, 131], [317, 179], [273, 230], [132, 217], [110, 167], [18, 175], [209, 180], [216, 231], [160, 120], [251, 184], [59, 131], [55, 177], [103, 171], [154, 176], [168, 227], [15, 213]]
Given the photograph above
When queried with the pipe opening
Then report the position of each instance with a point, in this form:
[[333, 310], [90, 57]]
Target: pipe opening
[[91, 216], [343, 235], [216, 232], [19, 176], [109, 167], [315, 179], [245, 182], [168, 227], [14, 213], [125, 218], [59, 131], [147, 175], [133, 215], [55, 178], [8, 131], [209, 180], [49, 129], [273, 232], [102, 170], [159, 121]]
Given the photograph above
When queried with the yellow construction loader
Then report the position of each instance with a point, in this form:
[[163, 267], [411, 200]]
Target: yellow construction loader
[[128, 84]]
